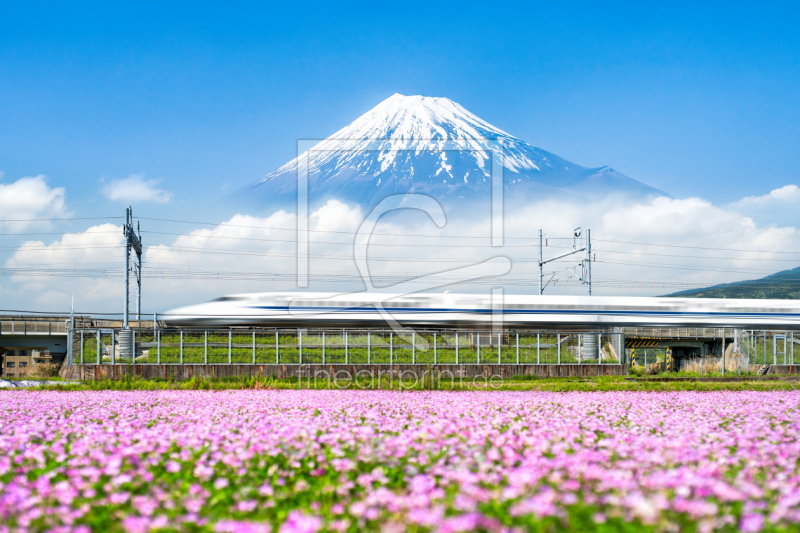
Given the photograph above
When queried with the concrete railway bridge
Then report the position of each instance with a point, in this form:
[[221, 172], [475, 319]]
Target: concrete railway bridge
[[90, 347]]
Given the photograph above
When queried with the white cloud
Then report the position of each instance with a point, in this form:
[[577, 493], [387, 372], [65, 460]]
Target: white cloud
[[652, 247], [98, 251], [779, 207], [30, 198], [250, 247], [96, 245], [642, 248], [788, 195], [668, 217], [335, 216], [135, 188], [218, 260]]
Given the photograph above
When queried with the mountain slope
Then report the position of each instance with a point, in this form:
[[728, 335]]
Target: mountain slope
[[404, 144], [784, 285]]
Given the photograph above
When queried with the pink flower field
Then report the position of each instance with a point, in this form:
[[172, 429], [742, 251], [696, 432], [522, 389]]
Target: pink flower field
[[305, 461]]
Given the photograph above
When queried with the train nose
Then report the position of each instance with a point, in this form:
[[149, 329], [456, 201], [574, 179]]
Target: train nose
[[185, 315]]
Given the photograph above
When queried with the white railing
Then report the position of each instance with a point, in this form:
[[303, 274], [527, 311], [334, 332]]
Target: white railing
[[343, 346]]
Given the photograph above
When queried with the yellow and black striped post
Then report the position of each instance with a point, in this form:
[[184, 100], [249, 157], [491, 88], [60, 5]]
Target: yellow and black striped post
[[641, 343]]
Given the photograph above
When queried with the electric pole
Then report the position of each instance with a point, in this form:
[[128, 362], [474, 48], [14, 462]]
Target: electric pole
[[541, 264], [132, 241], [139, 275], [587, 264], [589, 259]]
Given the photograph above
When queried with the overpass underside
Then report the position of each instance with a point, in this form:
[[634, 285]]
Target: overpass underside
[[25, 336], [702, 349]]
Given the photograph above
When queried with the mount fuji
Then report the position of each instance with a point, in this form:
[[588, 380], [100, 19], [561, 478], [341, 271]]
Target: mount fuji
[[405, 144]]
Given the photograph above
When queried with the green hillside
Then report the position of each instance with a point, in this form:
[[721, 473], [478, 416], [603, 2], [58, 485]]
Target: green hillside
[[784, 285]]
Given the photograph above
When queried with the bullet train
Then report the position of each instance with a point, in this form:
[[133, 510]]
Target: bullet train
[[300, 309]]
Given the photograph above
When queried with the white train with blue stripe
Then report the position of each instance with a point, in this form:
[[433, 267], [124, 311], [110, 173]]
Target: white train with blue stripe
[[310, 310]]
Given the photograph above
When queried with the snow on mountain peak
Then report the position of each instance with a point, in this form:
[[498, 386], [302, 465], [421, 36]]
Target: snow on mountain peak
[[419, 118], [402, 124], [433, 146]]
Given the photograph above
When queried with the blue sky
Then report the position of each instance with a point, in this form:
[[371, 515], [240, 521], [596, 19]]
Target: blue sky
[[695, 99], [198, 100]]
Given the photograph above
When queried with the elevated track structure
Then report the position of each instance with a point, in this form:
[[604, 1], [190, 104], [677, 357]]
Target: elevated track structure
[[468, 332], [169, 351]]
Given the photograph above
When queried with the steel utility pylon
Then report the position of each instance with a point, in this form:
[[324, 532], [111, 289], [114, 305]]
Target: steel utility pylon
[[586, 277], [132, 240]]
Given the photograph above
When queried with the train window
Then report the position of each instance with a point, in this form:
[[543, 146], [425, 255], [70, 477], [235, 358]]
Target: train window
[[228, 299], [309, 303]]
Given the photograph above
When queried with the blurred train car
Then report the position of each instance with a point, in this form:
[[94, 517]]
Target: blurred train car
[[297, 309]]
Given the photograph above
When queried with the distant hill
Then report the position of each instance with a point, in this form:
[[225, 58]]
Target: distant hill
[[784, 285]]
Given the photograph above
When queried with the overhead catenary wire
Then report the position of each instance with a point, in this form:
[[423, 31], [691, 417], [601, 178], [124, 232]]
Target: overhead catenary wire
[[394, 244], [55, 218], [440, 260], [750, 250], [218, 251], [393, 234], [271, 228], [438, 245], [166, 273], [61, 246], [26, 268], [56, 233], [679, 267]]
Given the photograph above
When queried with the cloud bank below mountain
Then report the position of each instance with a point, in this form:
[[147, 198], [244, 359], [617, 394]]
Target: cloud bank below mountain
[[642, 247]]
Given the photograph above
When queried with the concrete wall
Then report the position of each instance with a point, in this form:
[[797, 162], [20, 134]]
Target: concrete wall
[[182, 372], [783, 369]]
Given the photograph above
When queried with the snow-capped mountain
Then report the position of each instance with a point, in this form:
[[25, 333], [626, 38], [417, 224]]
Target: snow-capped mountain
[[406, 144]]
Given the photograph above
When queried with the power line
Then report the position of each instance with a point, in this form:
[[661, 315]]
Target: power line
[[389, 235], [168, 273], [761, 259], [217, 251], [677, 267], [416, 245], [56, 233], [49, 219], [223, 251], [226, 224], [219, 224], [698, 247]]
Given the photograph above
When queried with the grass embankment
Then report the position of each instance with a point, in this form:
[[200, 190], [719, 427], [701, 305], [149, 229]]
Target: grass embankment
[[678, 382]]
